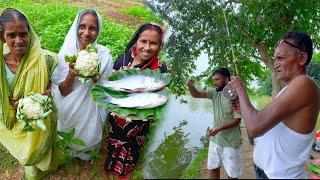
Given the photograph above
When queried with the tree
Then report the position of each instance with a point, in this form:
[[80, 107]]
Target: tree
[[314, 70], [255, 26]]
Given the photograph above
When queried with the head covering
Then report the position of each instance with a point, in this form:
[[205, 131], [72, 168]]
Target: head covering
[[29, 148], [77, 109], [71, 42], [153, 63], [70, 46]]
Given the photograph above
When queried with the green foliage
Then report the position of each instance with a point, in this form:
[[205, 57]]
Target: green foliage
[[143, 13], [260, 101], [65, 142], [192, 171], [52, 21], [314, 70], [7, 161], [172, 155], [265, 85], [254, 26], [316, 57]]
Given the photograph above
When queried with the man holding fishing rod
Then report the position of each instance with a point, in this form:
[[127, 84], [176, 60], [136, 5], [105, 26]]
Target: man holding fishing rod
[[283, 131], [225, 141]]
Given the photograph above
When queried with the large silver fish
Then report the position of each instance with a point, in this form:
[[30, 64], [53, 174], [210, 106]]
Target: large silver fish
[[139, 100], [135, 83]]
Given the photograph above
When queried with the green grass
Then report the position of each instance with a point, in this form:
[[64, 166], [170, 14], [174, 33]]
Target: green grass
[[52, 21], [261, 101], [192, 171], [143, 13], [7, 162]]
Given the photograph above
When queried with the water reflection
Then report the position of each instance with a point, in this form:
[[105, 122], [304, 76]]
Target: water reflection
[[177, 137], [172, 156]]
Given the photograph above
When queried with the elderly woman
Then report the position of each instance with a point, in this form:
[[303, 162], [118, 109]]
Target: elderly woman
[[126, 138], [24, 68], [76, 109]]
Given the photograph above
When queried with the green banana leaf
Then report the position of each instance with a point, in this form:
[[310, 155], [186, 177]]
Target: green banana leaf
[[98, 93], [313, 168]]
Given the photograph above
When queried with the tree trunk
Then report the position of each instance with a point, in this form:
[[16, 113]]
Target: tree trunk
[[276, 84]]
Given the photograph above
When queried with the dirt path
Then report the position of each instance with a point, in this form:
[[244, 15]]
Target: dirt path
[[112, 9], [246, 150]]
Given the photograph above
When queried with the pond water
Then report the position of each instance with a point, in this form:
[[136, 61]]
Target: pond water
[[177, 137]]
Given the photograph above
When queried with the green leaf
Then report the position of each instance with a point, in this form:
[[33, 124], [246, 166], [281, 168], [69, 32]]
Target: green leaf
[[72, 132], [66, 136], [90, 48], [314, 168], [27, 128], [70, 59], [41, 125], [78, 142]]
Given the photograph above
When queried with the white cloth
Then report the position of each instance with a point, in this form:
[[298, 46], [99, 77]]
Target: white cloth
[[281, 152], [77, 109], [229, 157]]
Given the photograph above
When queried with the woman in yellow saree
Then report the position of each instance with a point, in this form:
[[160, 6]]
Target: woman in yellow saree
[[24, 68]]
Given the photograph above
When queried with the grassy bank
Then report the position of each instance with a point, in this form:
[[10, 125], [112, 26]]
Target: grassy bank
[[51, 20]]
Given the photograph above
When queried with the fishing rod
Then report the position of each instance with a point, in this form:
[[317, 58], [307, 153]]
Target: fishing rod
[[229, 39], [228, 92]]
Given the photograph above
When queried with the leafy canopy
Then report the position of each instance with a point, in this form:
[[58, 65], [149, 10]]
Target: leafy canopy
[[255, 26]]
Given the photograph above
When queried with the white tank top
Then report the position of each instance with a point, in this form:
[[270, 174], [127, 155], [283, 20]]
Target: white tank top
[[282, 152]]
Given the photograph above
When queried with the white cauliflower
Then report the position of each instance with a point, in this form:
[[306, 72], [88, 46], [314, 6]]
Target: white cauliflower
[[87, 63], [34, 109], [30, 108]]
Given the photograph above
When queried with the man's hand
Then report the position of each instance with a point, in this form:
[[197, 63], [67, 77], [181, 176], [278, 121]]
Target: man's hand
[[190, 82], [237, 84], [235, 106], [213, 131]]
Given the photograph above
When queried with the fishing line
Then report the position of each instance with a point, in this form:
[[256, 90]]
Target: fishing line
[[229, 37]]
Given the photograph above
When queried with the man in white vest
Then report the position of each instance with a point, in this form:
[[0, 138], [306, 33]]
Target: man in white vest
[[283, 131]]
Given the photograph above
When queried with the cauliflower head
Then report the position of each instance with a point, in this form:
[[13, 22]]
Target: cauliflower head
[[30, 108], [86, 64]]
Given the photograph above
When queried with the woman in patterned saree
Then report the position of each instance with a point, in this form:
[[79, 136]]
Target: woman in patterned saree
[[126, 138], [24, 68]]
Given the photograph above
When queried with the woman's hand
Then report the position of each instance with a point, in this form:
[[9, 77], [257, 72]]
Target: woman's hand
[[14, 103], [72, 72], [94, 79], [48, 91]]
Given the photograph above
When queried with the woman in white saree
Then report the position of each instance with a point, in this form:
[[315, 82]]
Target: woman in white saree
[[76, 109]]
